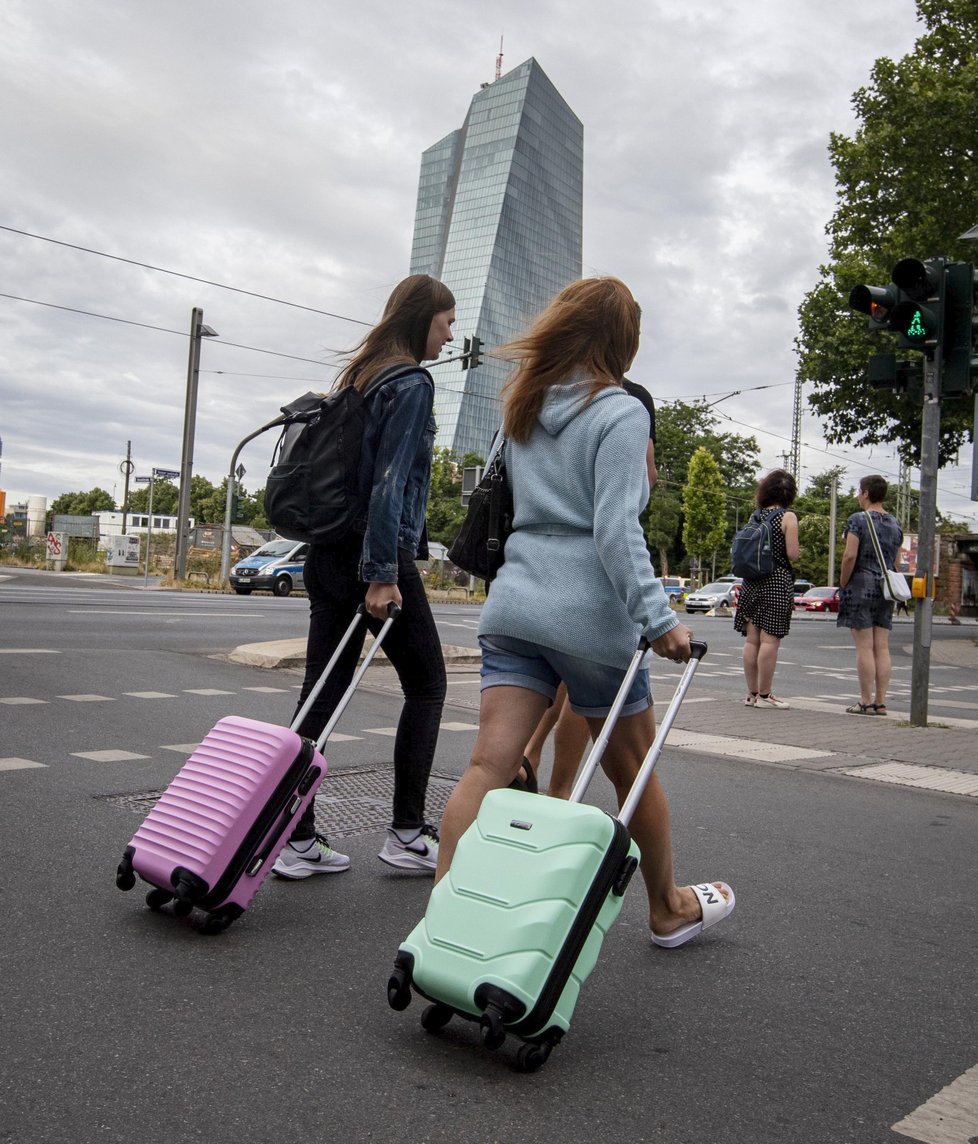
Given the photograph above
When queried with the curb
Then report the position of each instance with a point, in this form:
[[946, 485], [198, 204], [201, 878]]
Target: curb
[[292, 654]]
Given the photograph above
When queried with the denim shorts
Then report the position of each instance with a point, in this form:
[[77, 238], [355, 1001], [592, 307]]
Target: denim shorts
[[591, 687]]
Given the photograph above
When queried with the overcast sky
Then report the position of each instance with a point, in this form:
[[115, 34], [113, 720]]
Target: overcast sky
[[274, 148]]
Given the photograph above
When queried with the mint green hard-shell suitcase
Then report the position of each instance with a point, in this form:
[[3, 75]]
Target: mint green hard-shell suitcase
[[512, 932]]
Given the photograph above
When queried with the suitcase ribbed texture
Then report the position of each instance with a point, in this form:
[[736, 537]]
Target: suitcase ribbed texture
[[203, 811]]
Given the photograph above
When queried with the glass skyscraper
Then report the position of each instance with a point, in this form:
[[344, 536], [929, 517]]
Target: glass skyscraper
[[499, 220]]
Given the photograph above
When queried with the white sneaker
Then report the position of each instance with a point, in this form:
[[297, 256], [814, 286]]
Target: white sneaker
[[418, 853], [770, 701], [303, 859]]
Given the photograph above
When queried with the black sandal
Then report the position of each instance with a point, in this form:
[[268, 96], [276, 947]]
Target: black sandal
[[861, 709], [527, 783]]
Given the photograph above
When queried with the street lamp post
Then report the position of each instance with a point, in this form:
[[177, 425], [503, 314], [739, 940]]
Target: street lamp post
[[197, 331]]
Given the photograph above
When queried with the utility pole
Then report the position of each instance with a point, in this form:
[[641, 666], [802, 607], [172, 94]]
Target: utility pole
[[833, 503], [923, 618], [197, 331]]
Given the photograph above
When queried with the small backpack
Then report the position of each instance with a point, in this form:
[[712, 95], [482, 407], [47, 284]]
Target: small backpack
[[312, 492], [752, 551]]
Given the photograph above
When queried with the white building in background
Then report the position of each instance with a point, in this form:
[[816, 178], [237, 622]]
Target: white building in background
[[110, 523]]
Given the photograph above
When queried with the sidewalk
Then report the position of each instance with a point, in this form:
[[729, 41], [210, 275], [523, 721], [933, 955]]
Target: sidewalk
[[814, 734]]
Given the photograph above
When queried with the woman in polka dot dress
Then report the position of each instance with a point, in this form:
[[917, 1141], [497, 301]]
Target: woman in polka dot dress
[[764, 606]]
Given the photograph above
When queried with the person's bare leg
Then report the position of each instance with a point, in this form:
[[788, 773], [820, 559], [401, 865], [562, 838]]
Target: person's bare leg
[[507, 717], [670, 906], [534, 747], [865, 663], [571, 739], [752, 642], [883, 664], [767, 661]]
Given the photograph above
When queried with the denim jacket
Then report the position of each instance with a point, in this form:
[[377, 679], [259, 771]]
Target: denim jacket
[[395, 473]]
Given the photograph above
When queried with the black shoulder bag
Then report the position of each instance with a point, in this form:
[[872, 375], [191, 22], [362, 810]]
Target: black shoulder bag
[[479, 548]]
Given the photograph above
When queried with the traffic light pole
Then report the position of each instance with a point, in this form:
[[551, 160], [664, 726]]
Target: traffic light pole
[[924, 609]]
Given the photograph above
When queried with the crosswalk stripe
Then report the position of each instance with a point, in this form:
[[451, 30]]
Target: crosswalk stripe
[[15, 699], [150, 694], [15, 764], [949, 1117], [88, 698], [109, 756]]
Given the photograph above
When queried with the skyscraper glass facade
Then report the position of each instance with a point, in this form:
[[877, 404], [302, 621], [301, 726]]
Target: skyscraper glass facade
[[499, 220]]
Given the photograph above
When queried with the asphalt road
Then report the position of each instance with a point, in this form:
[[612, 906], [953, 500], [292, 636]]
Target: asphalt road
[[838, 997]]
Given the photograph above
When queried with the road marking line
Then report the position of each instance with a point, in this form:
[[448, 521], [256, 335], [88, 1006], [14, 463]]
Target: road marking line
[[268, 690], [389, 731], [15, 699], [949, 1117], [108, 756], [149, 694], [742, 748], [180, 748], [15, 764], [88, 698], [29, 651], [459, 726], [924, 778], [206, 691]]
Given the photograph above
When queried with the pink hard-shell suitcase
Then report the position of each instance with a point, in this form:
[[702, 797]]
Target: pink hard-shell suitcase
[[213, 835]]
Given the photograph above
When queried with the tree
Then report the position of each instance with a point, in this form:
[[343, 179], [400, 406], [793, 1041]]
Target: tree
[[907, 187], [165, 495], [704, 506], [681, 428], [445, 511], [82, 504]]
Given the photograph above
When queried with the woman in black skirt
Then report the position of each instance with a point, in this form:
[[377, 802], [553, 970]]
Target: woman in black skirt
[[764, 605]]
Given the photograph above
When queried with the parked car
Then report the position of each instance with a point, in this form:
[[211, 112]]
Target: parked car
[[719, 594], [675, 587], [802, 587], [821, 600], [276, 566]]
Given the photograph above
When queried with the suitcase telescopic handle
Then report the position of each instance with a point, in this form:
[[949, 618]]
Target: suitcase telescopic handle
[[393, 611], [697, 649]]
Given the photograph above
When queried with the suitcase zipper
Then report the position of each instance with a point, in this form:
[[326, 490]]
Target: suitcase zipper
[[279, 806], [605, 881]]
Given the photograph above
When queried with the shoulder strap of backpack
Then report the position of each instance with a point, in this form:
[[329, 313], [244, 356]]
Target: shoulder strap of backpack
[[389, 374]]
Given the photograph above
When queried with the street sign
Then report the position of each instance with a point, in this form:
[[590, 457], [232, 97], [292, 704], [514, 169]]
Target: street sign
[[142, 480], [166, 474]]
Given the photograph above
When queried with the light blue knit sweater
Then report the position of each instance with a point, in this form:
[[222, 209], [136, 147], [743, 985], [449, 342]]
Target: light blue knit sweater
[[577, 576]]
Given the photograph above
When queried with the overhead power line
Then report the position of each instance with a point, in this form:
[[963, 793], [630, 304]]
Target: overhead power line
[[187, 277]]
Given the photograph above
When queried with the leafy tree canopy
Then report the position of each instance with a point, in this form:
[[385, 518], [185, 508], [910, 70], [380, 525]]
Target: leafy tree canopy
[[82, 504], [907, 186]]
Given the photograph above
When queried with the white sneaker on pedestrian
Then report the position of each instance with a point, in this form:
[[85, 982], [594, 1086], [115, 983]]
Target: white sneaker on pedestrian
[[770, 701], [303, 859], [411, 850]]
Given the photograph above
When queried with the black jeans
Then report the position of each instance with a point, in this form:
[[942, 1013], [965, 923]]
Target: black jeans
[[413, 647]]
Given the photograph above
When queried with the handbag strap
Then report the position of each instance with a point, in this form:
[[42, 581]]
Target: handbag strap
[[876, 543]]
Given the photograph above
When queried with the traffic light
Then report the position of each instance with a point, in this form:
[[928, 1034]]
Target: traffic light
[[471, 353], [918, 316], [960, 330], [885, 372], [912, 305]]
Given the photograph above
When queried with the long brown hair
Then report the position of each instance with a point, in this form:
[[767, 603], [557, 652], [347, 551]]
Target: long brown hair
[[591, 327], [401, 335]]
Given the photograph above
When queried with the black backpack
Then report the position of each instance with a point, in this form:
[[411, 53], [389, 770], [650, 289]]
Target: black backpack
[[752, 551], [312, 492]]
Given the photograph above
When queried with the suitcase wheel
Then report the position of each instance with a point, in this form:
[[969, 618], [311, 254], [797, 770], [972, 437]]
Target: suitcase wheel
[[399, 989], [156, 898], [493, 1033], [219, 920], [436, 1017], [182, 909], [125, 879], [531, 1057]]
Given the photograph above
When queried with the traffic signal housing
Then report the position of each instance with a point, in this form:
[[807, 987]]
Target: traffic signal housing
[[960, 331], [471, 353], [885, 372], [912, 305]]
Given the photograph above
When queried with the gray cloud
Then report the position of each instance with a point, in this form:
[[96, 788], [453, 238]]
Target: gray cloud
[[275, 148]]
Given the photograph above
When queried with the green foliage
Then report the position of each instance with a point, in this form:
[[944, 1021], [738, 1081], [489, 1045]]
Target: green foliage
[[82, 504], [445, 512], [907, 187], [704, 506]]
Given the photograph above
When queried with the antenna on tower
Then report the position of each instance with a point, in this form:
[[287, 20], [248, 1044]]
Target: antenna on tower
[[499, 59]]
